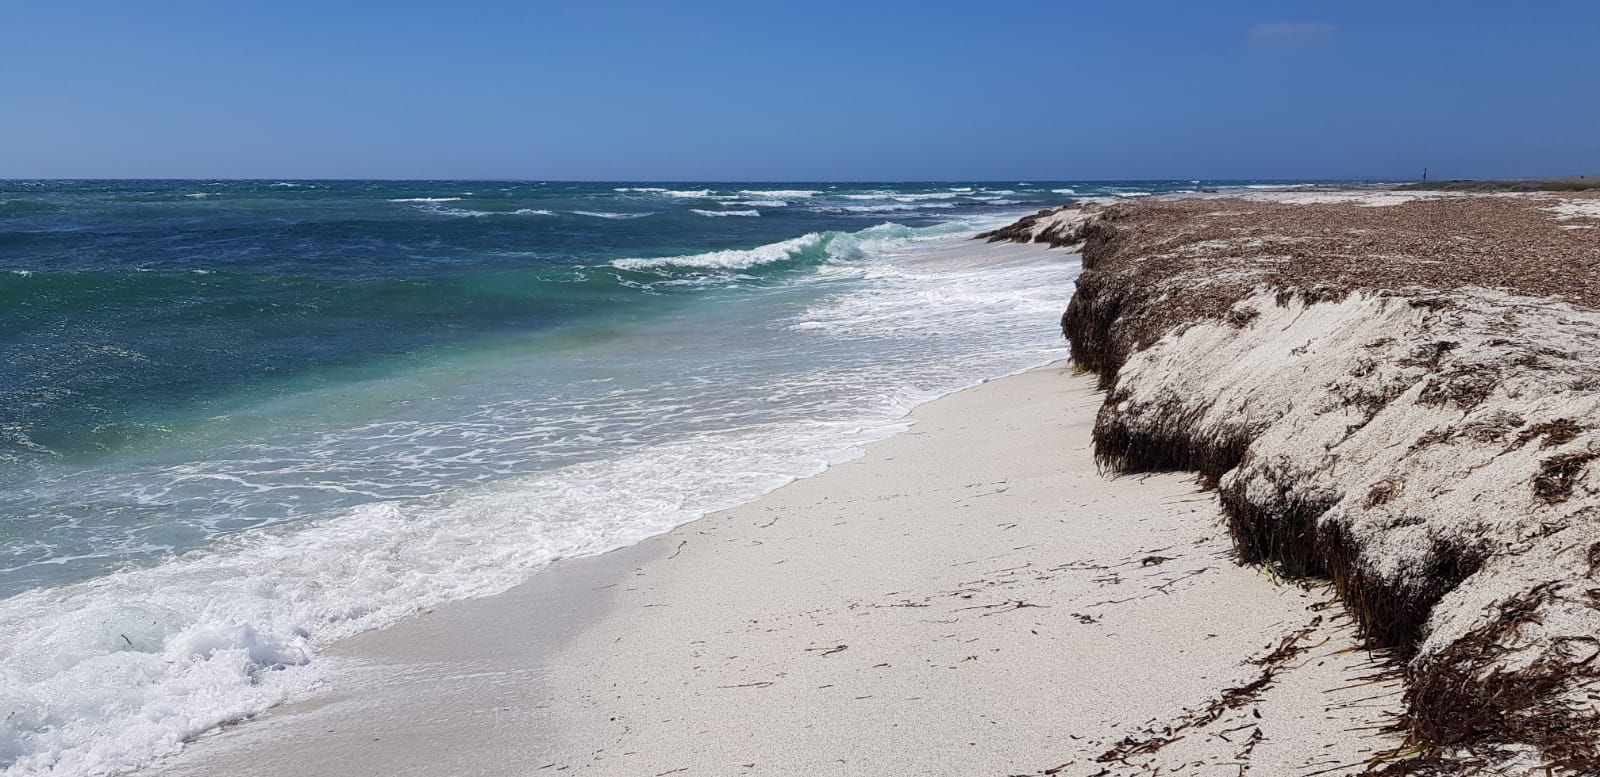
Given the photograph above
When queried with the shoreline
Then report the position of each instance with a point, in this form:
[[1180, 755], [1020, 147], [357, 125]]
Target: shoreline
[[804, 367], [1029, 616]]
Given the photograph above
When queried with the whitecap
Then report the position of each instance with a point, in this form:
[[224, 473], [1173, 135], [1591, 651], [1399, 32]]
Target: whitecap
[[895, 207], [790, 194], [102, 677], [601, 214], [426, 199], [731, 259], [725, 212]]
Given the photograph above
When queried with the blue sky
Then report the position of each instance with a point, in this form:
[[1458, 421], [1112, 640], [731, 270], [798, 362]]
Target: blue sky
[[816, 90]]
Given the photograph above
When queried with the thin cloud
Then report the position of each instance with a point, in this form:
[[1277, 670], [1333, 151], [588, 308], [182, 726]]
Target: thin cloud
[[1285, 31]]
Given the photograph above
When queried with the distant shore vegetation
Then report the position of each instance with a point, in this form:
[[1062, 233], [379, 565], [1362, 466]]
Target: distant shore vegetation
[[1578, 184]]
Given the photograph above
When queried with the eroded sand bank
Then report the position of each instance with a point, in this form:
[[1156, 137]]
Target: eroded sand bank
[[1399, 394]]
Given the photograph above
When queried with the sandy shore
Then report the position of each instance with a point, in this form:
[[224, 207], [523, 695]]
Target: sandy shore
[[971, 597]]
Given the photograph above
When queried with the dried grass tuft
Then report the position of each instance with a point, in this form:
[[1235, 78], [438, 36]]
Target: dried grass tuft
[[1558, 474]]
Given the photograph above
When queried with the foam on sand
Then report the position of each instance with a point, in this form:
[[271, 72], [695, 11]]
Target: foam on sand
[[978, 569], [103, 677]]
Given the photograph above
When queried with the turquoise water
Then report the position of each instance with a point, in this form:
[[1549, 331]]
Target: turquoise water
[[239, 420]]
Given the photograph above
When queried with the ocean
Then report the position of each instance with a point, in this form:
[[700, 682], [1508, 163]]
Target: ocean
[[242, 419]]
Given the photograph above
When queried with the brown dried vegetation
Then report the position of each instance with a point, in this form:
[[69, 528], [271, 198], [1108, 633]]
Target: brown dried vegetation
[[1158, 266]]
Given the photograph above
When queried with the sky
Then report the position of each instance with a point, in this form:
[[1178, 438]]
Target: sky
[[798, 91]]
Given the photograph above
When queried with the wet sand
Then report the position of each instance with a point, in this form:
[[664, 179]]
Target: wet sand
[[971, 597]]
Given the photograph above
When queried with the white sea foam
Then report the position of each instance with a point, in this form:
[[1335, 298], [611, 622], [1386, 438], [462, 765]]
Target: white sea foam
[[199, 195], [732, 259], [103, 676], [1063, 191], [898, 197], [882, 239], [426, 199], [756, 203], [600, 214], [888, 207], [431, 207], [725, 212], [782, 194]]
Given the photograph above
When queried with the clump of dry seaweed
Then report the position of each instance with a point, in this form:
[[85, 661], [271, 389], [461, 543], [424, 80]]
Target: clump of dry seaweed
[[1268, 347]]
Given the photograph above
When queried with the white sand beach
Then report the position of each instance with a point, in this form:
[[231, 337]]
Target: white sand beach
[[971, 597]]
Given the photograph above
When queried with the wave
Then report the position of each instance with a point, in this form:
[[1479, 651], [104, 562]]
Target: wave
[[202, 195], [1063, 191], [104, 676], [816, 248], [479, 214], [678, 194], [756, 203], [600, 214], [907, 197], [25, 208], [791, 194], [725, 212], [893, 207], [426, 199], [732, 259]]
